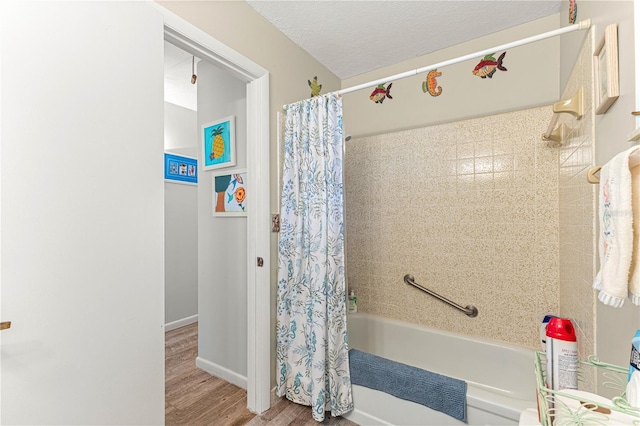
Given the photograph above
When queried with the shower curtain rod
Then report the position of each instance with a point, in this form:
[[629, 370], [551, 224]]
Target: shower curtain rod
[[582, 25]]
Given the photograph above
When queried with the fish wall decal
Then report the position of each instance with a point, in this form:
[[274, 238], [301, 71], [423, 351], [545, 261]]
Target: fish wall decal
[[488, 66], [379, 94]]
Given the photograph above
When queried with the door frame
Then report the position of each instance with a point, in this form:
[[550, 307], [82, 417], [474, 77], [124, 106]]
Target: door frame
[[186, 36]]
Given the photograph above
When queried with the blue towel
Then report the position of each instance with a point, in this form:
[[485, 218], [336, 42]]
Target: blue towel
[[433, 390]]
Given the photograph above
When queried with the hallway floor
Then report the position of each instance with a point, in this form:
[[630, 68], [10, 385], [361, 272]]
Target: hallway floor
[[194, 397]]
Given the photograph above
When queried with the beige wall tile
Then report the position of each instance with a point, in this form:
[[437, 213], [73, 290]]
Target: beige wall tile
[[577, 300], [500, 221], [468, 224]]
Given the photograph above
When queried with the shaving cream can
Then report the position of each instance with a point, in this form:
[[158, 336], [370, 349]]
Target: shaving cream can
[[562, 355]]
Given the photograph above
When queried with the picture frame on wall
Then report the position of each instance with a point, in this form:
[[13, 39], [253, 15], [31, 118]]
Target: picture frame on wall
[[230, 193], [605, 66], [218, 144], [180, 169]]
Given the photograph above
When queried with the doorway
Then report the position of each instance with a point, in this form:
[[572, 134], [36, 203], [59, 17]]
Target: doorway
[[256, 79], [206, 250]]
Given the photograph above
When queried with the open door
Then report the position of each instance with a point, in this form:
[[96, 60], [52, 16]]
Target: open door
[[82, 261]]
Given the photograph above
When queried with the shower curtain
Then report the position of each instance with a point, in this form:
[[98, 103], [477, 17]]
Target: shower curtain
[[311, 346]]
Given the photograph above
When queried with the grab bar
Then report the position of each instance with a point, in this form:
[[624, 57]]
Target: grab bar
[[469, 310]]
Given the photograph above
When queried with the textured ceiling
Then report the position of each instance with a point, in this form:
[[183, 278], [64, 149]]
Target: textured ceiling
[[351, 37]]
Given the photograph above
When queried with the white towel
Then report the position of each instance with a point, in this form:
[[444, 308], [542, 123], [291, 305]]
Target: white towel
[[634, 282], [616, 230]]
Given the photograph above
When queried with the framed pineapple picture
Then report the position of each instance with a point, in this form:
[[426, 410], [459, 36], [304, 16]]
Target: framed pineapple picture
[[230, 193], [218, 144]]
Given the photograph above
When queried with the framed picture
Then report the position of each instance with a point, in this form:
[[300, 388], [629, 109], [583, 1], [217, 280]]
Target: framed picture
[[605, 64], [219, 144], [230, 193], [180, 169]]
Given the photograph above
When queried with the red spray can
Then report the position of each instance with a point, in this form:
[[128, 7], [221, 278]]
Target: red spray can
[[562, 355]]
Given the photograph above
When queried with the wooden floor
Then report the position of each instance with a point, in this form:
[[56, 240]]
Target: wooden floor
[[194, 397]]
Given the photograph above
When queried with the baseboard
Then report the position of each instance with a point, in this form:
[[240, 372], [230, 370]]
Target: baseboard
[[222, 372], [180, 323]]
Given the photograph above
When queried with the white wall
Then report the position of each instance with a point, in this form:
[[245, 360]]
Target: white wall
[[614, 327], [222, 241], [180, 253], [82, 213], [180, 130], [180, 221]]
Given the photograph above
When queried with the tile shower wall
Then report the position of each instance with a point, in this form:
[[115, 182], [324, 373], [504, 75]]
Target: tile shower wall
[[470, 209], [577, 210]]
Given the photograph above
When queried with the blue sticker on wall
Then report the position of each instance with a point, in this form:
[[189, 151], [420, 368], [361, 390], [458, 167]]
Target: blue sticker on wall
[[180, 169]]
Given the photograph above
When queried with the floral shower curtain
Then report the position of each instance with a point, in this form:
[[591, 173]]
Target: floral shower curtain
[[311, 348]]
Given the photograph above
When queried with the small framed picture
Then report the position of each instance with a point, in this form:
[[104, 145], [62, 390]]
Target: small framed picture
[[180, 169], [219, 144], [605, 65], [230, 193]]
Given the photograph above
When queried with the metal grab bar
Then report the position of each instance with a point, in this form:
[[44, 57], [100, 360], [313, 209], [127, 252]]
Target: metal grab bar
[[469, 310]]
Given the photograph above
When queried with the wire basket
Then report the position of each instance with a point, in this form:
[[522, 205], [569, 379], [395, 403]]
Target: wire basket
[[565, 408]]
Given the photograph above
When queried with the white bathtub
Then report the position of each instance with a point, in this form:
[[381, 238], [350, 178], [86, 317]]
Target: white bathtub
[[500, 377]]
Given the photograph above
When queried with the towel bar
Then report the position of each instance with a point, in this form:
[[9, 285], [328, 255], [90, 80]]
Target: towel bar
[[591, 174], [469, 310], [634, 161]]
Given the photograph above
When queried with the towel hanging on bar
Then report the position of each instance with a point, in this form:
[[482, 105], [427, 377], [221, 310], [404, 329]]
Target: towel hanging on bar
[[616, 233], [593, 172]]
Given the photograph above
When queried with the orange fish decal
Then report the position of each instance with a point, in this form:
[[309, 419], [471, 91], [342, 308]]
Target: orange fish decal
[[431, 85]]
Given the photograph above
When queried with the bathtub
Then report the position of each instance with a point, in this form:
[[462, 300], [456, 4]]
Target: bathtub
[[500, 377]]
